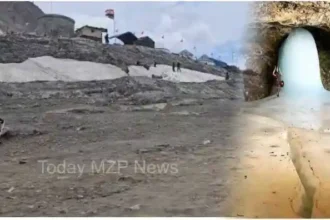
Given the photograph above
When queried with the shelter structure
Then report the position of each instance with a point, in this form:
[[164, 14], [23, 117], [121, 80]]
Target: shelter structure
[[55, 25], [92, 33], [128, 38], [145, 41]]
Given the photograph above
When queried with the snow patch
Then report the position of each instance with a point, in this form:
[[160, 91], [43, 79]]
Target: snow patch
[[166, 72], [48, 68]]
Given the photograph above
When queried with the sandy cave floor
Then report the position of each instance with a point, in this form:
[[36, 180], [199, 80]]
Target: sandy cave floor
[[284, 156]]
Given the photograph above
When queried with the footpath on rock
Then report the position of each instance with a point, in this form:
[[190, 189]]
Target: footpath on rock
[[283, 160]]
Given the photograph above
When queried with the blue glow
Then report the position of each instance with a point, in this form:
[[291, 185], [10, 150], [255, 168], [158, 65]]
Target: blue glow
[[299, 64]]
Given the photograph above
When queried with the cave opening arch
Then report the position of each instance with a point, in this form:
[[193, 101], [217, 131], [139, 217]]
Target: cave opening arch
[[322, 50], [269, 24]]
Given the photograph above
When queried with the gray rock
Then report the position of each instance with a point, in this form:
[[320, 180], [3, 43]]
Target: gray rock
[[19, 47], [135, 207]]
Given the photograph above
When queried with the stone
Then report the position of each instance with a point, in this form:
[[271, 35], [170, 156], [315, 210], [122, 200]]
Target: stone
[[22, 161], [62, 210], [80, 196], [80, 128], [206, 142], [135, 207], [11, 189]]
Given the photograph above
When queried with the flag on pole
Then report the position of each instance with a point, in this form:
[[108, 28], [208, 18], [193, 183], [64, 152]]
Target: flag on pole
[[110, 13], [163, 37]]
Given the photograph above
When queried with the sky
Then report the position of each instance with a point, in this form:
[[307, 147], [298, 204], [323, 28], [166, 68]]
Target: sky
[[212, 28]]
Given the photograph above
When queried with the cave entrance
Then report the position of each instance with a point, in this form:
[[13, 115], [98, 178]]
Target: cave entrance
[[299, 63]]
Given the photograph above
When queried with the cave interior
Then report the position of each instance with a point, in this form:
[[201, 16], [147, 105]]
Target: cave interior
[[268, 39]]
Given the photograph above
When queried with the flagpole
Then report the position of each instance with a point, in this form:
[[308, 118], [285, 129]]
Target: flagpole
[[114, 27], [195, 52]]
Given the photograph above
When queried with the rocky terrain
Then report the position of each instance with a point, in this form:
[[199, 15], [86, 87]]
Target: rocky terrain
[[18, 16], [272, 22], [127, 120], [218, 63], [15, 48], [129, 90], [18, 21], [187, 54], [140, 146], [167, 148]]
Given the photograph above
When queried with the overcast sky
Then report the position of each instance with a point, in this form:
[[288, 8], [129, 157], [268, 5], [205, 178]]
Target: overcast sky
[[211, 27]]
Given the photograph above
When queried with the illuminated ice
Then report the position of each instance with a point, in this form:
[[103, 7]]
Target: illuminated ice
[[299, 63], [303, 102]]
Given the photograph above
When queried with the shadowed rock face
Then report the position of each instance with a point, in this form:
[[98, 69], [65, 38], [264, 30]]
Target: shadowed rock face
[[19, 16], [272, 22], [133, 90]]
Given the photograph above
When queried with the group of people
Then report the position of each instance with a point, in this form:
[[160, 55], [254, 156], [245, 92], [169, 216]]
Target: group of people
[[178, 66], [279, 83]]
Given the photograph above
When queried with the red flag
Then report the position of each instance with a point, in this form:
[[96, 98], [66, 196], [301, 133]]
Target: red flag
[[110, 13]]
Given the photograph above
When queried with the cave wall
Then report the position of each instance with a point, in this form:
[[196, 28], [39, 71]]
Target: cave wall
[[324, 57], [323, 46], [271, 24]]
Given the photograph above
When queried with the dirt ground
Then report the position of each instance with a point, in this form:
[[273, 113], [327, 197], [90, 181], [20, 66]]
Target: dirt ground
[[194, 141], [142, 147]]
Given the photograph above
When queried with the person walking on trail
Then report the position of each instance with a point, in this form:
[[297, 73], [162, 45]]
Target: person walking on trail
[[173, 67], [227, 76], [178, 66], [278, 80], [106, 39], [2, 125]]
